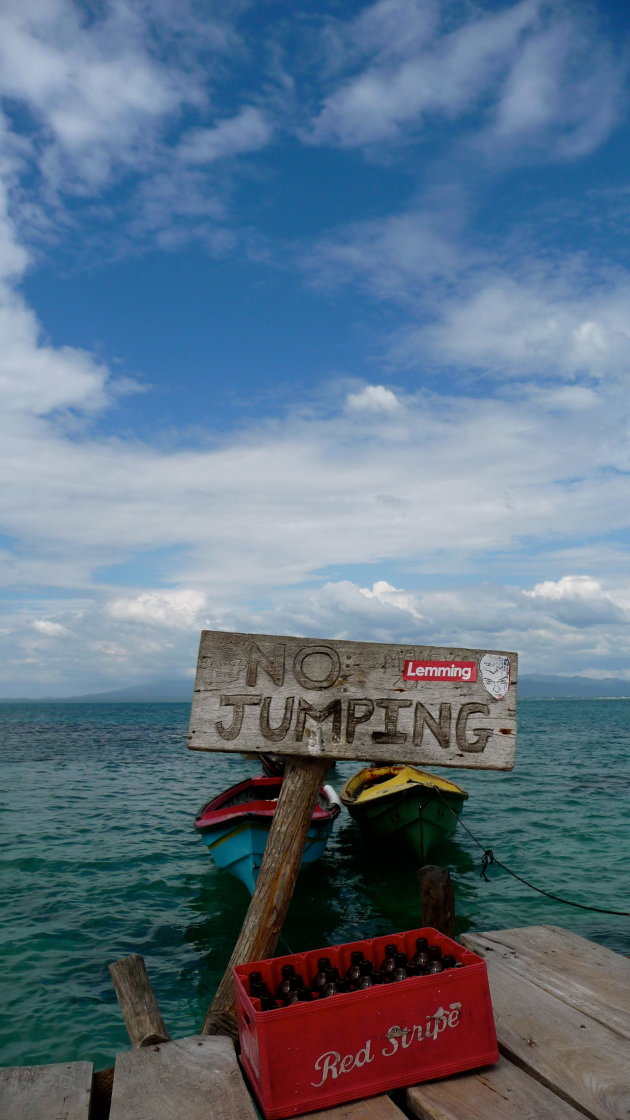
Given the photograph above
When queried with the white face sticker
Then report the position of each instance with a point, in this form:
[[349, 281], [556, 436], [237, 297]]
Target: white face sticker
[[495, 674]]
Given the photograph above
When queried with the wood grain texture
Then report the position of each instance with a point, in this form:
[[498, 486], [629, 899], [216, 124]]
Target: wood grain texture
[[196, 1078], [372, 1108], [137, 1001], [589, 977], [501, 1092], [584, 1062], [314, 697], [277, 876], [55, 1092]]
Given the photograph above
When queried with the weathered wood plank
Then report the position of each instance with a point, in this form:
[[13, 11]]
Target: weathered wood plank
[[190, 1079], [277, 876], [501, 1092], [581, 1060], [56, 1092], [359, 700], [585, 975], [371, 1108]]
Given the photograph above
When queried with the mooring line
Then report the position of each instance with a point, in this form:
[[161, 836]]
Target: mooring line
[[489, 858]]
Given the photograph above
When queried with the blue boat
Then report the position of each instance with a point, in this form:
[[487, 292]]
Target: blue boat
[[234, 826]]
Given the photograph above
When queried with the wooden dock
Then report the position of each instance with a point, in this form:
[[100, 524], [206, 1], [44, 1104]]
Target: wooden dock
[[562, 1011]]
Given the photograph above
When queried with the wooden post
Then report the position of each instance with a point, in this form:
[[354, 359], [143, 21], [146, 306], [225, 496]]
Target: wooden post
[[437, 901], [143, 1020], [276, 880]]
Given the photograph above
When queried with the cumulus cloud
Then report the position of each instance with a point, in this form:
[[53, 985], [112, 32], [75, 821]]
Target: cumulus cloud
[[425, 489], [385, 593], [578, 601], [177, 609], [544, 323], [373, 398]]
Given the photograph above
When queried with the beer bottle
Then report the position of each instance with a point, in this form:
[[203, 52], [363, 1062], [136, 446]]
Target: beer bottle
[[257, 986], [319, 978], [353, 973], [287, 973], [388, 965], [435, 959], [296, 983], [421, 955], [449, 961], [366, 975], [330, 987], [400, 972]]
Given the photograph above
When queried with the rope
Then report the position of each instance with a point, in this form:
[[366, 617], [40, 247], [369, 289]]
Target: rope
[[488, 858]]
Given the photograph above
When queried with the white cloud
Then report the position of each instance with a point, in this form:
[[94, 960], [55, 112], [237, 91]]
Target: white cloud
[[373, 398], [569, 587], [50, 629], [177, 609], [578, 601], [385, 593], [93, 85], [538, 324], [547, 74], [247, 132]]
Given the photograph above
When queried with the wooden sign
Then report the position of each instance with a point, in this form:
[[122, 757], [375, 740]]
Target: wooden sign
[[357, 700]]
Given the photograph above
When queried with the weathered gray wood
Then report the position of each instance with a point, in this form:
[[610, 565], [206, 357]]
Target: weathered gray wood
[[371, 1108], [500, 1092], [55, 1092], [583, 1061], [583, 974], [196, 1078], [358, 700], [277, 876], [437, 900], [138, 1004]]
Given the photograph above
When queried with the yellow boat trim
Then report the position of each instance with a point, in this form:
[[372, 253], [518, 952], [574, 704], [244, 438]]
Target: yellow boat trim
[[229, 836], [402, 777]]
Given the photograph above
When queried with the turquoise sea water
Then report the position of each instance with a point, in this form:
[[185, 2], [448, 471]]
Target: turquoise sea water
[[99, 859]]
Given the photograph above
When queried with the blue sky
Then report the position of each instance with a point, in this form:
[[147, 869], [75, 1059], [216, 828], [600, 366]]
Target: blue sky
[[314, 319]]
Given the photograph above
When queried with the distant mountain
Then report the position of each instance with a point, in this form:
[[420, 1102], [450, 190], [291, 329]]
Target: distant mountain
[[170, 691], [180, 691], [530, 686]]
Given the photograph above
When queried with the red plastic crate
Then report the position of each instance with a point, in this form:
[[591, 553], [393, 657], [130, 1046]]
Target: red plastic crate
[[314, 1055]]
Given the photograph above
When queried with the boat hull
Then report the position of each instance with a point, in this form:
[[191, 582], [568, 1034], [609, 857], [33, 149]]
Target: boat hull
[[235, 826], [239, 848], [414, 815]]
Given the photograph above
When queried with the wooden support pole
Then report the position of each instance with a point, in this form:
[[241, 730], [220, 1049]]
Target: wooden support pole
[[437, 901], [143, 1020], [276, 880]]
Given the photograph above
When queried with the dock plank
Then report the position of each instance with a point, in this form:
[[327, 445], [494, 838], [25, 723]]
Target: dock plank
[[585, 975], [500, 1092], [196, 1078], [61, 1091], [580, 1059], [370, 1108]]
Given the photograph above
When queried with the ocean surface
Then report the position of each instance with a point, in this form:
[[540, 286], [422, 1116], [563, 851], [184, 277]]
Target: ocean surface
[[99, 859]]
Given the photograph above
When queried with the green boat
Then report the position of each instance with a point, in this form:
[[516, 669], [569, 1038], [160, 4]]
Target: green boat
[[405, 806]]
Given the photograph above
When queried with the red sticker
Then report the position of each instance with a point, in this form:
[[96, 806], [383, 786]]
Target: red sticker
[[440, 671]]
